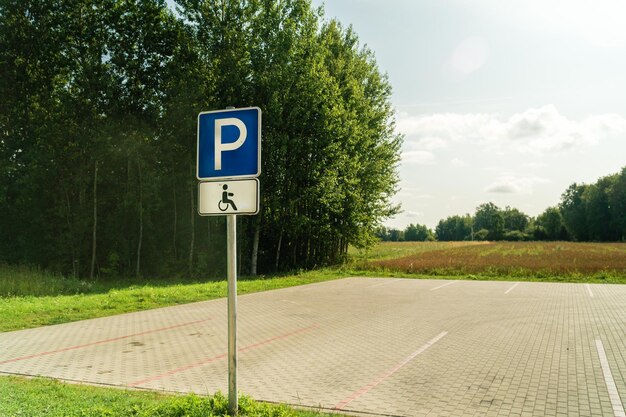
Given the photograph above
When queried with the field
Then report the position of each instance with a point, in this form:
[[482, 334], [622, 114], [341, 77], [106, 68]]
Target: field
[[553, 261]]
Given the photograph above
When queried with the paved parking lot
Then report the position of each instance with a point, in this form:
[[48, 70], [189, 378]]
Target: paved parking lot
[[396, 347]]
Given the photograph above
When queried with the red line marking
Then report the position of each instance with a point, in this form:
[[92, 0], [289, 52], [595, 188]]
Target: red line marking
[[222, 356], [101, 342], [388, 373]]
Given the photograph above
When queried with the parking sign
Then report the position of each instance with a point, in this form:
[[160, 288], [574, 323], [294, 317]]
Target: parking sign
[[229, 144]]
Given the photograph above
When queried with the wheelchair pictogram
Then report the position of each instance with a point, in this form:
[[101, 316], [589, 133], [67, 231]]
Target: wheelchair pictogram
[[225, 202]]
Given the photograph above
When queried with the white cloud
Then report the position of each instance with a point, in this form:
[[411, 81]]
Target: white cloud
[[536, 131], [509, 184]]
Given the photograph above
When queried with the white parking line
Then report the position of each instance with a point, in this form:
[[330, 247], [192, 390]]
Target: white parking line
[[444, 285], [589, 290], [511, 289], [388, 373], [616, 402]]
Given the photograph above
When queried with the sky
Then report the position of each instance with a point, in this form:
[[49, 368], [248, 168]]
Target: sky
[[507, 102]]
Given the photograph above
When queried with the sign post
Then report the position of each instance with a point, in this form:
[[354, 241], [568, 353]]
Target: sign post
[[228, 164], [231, 226]]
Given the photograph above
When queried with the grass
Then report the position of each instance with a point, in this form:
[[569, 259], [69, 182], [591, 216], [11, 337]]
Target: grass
[[48, 398], [99, 300], [25, 280]]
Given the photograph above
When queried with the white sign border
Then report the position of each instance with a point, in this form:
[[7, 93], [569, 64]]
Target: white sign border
[[258, 199]]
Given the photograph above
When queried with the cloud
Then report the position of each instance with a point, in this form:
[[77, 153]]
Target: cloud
[[509, 184], [535, 131]]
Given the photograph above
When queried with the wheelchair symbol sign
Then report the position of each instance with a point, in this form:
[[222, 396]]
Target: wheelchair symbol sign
[[226, 201], [216, 198]]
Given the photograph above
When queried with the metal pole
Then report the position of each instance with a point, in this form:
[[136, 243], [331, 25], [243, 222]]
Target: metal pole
[[231, 225]]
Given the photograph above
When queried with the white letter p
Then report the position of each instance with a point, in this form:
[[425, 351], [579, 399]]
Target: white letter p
[[231, 146]]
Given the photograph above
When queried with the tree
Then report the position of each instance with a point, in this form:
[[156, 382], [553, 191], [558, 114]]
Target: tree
[[598, 210], [515, 220], [550, 225], [98, 133], [489, 217], [617, 202], [454, 228], [574, 212], [417, 233]]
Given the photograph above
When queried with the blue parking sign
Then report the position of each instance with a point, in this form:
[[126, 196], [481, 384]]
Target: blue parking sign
[[229, 144]]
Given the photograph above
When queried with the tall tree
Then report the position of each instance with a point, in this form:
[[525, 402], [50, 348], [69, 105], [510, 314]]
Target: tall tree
[[574, 212], [116, 85], [490, 218], [617, 201], [514, 220], [550, 225], [417, 233], [598, 210], [455, 228]]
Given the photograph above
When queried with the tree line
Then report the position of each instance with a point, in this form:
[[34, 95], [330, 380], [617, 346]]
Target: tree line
[[98, 134], [587, 212]]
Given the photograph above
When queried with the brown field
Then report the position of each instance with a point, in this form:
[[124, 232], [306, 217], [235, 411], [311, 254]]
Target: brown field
[[539, 259]]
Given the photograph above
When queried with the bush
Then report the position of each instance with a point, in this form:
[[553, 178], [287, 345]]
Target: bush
[[482, 234], [515, 236]]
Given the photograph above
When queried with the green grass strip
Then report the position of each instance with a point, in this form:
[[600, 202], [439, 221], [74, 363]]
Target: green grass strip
[[48, 398], [26, 312]]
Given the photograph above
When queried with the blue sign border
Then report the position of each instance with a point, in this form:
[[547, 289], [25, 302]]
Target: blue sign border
[[250, 167]]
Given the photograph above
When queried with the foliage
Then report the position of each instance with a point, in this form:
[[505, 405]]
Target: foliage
[[417, 233], [596, 212], [514, 236], [549, 225], [514, 220], [617, 202], [412, 233], [490, 218], [455, 228], [574, 212], [98, 134]]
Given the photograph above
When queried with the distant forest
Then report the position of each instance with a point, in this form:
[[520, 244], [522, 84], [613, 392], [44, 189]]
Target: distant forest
[[587, 213], [98, 117]]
